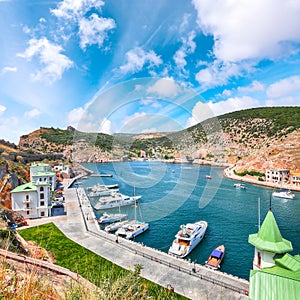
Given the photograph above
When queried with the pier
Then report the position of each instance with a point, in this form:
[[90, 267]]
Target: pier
[[189, 279]]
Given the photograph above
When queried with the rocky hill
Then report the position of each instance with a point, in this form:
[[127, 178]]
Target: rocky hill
[[253, 139]]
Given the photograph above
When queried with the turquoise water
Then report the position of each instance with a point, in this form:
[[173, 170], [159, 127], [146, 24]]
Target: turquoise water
[[175, 194]]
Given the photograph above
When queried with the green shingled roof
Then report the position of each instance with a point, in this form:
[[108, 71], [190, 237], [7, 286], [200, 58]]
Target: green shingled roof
[[27, 187], [288, 262], [269, 237]]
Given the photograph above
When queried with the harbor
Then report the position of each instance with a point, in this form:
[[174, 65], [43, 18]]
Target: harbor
[[193, 281]]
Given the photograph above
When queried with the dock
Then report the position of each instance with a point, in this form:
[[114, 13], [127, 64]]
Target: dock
[[191, 280]]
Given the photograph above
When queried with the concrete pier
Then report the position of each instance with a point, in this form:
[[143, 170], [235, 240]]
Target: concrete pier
[[193, 281]]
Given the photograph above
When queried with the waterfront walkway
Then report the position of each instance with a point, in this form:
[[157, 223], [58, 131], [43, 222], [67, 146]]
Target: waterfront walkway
[[190, 280]]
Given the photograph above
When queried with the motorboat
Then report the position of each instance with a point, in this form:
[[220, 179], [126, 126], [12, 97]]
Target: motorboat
[[240, 186], [287, 194], [207, 176], [103, 190], [110, 218], [115, 226], [132, 229], [215, 258], [115, 200], [187, 238]]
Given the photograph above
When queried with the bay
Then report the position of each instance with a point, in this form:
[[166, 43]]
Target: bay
[[176, 194]]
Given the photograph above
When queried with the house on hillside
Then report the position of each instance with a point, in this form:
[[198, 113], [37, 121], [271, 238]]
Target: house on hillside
[[33, 199], [275, 274], [277, 176], [42, 172], [295, 177]]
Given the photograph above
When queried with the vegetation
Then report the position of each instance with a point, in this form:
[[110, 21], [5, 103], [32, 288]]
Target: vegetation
[[251, 173], [114, 281]]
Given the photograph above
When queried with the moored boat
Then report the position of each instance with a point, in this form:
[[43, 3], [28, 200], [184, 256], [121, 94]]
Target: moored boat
[[132, 229], [115, 226], [287, 194], [207, 176], [215, 258], [187, 238], [110, 218], [115, 200], [103, 190]]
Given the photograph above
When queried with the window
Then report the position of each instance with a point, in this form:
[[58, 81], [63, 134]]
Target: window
[[27, 205], [42, 196], [27, 197], [42, 214], [27, 212], [258, 259], [41, 189], [42, 203]]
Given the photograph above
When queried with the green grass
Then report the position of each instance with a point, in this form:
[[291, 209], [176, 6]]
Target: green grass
[[91, 266]]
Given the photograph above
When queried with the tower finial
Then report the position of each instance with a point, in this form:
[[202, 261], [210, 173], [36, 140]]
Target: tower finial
[[270, 206]]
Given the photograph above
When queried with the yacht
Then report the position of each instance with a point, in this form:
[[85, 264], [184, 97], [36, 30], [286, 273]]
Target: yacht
[[132, 229], [110, 218], [103, 190], [115, 226], [215, 258], [287, 194], [187, 238], [240, 186], [115, 200]]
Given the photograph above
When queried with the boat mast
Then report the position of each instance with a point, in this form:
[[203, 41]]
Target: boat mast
[[258, 213]]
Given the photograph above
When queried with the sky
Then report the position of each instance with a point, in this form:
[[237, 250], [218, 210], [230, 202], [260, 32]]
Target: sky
[[143, 66]]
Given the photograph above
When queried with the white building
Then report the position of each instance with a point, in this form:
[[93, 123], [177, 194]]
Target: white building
[[32, 200], [277, 176], [42, 173]]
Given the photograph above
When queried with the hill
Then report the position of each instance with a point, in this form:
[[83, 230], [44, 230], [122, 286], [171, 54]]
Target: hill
[[266, 137]]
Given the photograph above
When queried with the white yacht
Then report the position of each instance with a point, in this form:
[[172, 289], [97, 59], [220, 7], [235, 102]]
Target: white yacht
[[240, 186], [115, 200], [110, 218], [187, 238], [287, 194], [115, 226], [132, 229], [101, 190]]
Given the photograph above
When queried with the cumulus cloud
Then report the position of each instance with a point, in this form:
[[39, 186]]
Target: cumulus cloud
[[2, 109], [164, 87], [255, 86], [71, 9], [8, 70], [74, 116], [250, 29], [106, 126], [32, 113], [203, 111], [188, 47], [150, 102], [137, 58], [50, 57], [94, 30], [284, 87], [285, 101]]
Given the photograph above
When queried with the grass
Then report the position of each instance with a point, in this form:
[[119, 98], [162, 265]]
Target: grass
[[113, 281]]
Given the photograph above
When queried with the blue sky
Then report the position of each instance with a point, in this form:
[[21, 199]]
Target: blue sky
[[147, 66]]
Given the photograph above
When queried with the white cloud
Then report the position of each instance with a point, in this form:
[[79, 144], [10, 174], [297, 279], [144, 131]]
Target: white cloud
[[255, 86], [2, 109], [129, 119], [50, 56], [164, 87], [284, 87], [149, 130], [106, 126], [94, 30], [32, 113], [74, 116], [286, 101], [250, 29], [150, 102], [188, 47], [203, 111], [75, 8], [219, 73], [137, 58], [8, 69]]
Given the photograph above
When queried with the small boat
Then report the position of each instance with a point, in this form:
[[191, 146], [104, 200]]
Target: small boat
[[115, 226], [132, 229], [215, 258], [287, 194], [187, 238], [207, 176], [240, 186], [110, 218]]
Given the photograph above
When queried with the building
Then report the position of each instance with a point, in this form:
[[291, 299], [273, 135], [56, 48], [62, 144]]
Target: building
[[32, 200], [42, 173], [275, 274], [277, 176], [295, 178]]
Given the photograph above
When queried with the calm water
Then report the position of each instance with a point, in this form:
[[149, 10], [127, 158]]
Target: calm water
[[175, 194]]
